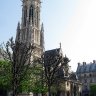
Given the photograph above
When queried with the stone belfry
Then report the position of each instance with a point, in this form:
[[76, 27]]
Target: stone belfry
[[30, 30]]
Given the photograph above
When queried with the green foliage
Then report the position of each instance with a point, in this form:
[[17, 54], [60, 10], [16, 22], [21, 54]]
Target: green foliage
[[5, 74], [39, 88], [54, 88], [93, 90], [33, 80]]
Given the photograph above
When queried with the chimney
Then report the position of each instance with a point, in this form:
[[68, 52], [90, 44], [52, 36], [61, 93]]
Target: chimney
[[84, 63], [78, 64], [94, 61]]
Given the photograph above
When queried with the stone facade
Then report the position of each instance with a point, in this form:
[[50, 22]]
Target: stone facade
[[30, 30], [66, 82], [87, 75], [70, 88]]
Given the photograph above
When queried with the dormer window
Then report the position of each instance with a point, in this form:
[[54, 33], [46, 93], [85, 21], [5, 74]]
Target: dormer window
[[85, 69]]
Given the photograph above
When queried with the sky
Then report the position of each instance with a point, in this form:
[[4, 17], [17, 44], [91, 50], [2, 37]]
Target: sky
[[69, 22]]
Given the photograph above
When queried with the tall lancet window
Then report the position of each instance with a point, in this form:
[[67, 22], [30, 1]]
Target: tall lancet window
[[31, 14], [37, 17], [25, 15]]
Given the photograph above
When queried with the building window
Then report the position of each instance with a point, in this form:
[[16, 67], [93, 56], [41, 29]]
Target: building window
[[67, 83], [84, 75], [85, 87], [90, 75], [31, 13], [37, 16], [85, 80], [90, 80], [25, 15]]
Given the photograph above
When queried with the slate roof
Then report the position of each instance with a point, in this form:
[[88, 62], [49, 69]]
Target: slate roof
[[86, 68], [51, 56]]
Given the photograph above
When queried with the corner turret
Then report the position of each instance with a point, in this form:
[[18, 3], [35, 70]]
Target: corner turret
[[18, 32], [42, 37]]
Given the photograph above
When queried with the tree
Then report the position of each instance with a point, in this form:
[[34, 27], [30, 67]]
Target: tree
[[53, 63], [34, 82], [93, 90], [5, 75], [18, 54], [39, 85], [31, 82]]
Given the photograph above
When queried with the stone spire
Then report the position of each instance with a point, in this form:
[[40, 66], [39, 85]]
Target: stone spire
[[18, 32], [30, 31], [42, 37]]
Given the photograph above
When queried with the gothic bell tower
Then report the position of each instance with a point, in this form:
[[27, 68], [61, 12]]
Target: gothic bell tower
[[30, 30]]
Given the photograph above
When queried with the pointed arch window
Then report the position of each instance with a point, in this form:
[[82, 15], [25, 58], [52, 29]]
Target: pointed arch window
[[25, 15], [31, 13], [36, 37], [37, 17]]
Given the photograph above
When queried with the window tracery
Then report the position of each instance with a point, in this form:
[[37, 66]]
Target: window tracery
[[25, 15], [31, 14]]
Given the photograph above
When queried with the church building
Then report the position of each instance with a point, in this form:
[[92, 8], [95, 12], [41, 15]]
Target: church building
[[30, 30]]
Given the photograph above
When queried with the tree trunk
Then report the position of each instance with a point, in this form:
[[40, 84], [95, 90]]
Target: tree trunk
[[58, 93], [49, 90], [15, 93], [43, 94]]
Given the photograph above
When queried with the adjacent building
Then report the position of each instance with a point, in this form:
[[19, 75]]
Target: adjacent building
[[86, 73]]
